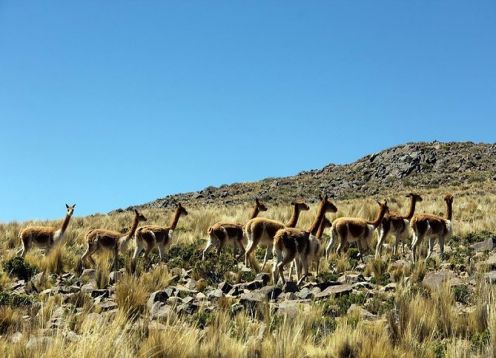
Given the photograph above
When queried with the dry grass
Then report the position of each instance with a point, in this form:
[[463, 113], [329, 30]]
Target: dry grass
[[419, 324]]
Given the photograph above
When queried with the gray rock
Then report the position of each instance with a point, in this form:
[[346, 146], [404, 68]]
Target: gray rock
[[187, 308], [160, 310], [490, 277], [332, 291], [305, 293], [39, 344], [486, 245], [88, 274], [107, 306], [115, 276], [157, 296], [434, 280], [215, 294], [101, 293], [270, 292], [225, 287], [362, 312]]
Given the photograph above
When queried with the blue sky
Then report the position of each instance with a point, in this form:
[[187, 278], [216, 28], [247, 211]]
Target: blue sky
[[113, 103]]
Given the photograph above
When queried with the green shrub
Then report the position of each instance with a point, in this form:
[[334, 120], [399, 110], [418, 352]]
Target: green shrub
[[461, 294], [214, 271], [14, 300], [19, 268]]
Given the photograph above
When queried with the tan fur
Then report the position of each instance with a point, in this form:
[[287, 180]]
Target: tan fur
[[299, 245], [433, 227], [44, 236], [102, 239], [348, 229], [398, 225], [220, 234], [149, 236], [261, 231]]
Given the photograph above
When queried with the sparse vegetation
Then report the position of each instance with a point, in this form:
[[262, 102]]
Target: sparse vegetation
[[406, 318]]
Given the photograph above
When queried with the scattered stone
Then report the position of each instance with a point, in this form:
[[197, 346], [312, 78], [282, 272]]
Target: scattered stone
[[100, 293], [215, 294], [157, 296], [490, 277], [270, 292], [72, 336], [39, 344], [88, 274], [389, 287], [16, 337], [225, 287], [305, 293], [156, 326], [115, 276], [37, 281], [486, 245], [253, 285], [191, 284], [88, 288], [436, 279], [334, 291], [362, 312], [187, 308], [107, 306], [161, 311]]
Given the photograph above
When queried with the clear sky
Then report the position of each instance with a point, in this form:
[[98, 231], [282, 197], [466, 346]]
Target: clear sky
[[113, 103]]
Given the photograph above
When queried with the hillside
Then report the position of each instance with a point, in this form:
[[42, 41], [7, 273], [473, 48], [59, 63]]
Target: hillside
[[418, 165]]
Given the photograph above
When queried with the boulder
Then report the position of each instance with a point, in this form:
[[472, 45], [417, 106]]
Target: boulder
[[434, 280], [160, 310], [361, 312]]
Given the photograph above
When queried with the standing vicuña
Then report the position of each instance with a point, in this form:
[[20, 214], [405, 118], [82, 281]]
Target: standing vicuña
[[44, 236], [291, 243], [102, 239], [149, 236], [398, 225], [231, 233], [314, 251], [262, 230], [346, 229], [432, 226]]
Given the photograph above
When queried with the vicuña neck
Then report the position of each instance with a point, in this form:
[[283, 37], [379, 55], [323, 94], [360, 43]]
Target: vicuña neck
[[379, 217], [411, 211], [449, 210], [321, 229], [255, 212], [131, 232], [294, 217], [318, 219], [65, 224], [177, 215]]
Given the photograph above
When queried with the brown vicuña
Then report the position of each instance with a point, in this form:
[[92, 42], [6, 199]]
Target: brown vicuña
[[347, 229], [222, 233], [149, 236], [102, 239], [261, 231], [397, 225], [44, 236], [432, 226], [300, 245]]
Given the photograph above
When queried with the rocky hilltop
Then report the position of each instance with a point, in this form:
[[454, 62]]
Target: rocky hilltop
[[412, 165]]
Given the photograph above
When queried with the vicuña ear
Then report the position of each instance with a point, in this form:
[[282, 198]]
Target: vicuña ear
[[67, 206]]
